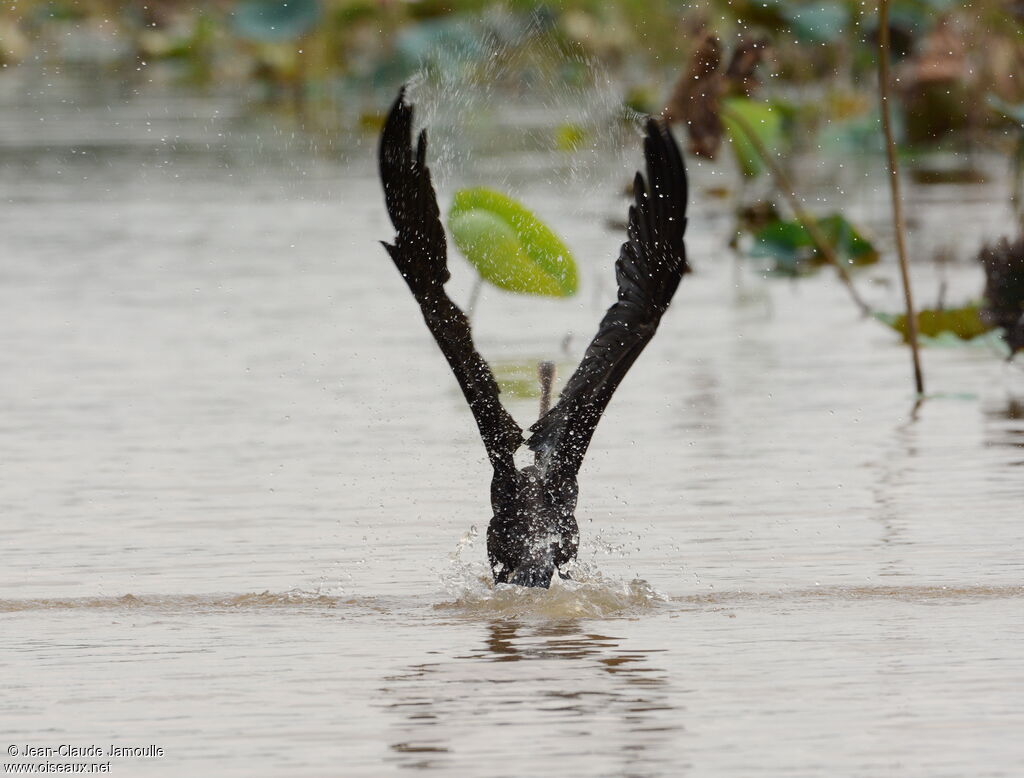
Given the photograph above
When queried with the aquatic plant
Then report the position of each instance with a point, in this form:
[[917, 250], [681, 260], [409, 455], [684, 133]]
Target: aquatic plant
[[510, 247], [794, 251], [698, 96], [964, 323], [822, 244], [894, 188], [1001, 307], [753, 128]]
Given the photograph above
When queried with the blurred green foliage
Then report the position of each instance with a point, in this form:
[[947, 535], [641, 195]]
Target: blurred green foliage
[[382, 42], [337, 63], [793, 251]]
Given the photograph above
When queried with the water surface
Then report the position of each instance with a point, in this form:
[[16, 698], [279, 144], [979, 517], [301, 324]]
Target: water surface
[[242, 492]]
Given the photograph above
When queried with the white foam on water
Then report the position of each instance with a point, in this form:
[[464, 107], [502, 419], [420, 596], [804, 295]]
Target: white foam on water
[[587, 593]]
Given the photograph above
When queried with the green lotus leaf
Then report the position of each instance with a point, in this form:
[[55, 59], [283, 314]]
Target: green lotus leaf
[[509, 246]]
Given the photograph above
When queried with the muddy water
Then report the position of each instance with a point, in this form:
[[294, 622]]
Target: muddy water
[[241, 491]]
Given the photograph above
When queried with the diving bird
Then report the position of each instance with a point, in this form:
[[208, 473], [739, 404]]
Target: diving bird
[[533, 532]]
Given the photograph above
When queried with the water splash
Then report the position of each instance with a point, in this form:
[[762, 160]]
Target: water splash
[[521, 88], [588, 594]]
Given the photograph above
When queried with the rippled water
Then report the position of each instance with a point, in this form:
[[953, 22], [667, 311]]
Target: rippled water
[[241, 489]]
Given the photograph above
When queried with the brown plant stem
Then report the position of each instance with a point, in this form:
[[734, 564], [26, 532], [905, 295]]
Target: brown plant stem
[[783, 183], [894, 188], [546, 374]]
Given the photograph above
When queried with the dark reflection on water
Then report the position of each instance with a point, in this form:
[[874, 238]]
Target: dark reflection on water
[[583, 677], [1015, 410], [893, 470], [1004, 424]]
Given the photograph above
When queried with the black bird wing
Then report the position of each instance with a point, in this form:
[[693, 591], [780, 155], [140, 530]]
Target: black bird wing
[[420, 254], [651, 263]]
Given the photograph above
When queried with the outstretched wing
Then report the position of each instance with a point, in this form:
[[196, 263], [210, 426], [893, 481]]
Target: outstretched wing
[[420, 254], [650, 265]]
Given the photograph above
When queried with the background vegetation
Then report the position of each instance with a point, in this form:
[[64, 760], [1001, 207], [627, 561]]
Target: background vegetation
[[774, 77]]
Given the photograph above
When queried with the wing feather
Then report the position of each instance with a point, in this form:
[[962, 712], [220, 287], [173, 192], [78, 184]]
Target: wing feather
[[420, 254], [650, 265]]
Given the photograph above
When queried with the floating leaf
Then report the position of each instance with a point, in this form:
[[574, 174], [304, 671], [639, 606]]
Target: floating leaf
[[849, 244], [764, 119], [275, 21], [509, 246], [963, 323], [791, 246], [787, 242]]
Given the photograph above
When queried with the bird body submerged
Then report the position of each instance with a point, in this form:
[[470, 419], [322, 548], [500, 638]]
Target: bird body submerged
[[533, 531]]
